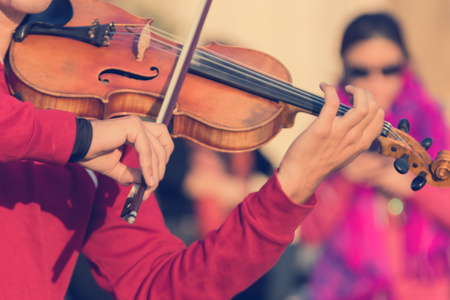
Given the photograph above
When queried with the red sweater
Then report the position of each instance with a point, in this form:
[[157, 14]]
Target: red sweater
[[50, 213]]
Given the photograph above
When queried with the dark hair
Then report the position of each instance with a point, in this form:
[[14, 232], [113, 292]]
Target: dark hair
[[368, 26]]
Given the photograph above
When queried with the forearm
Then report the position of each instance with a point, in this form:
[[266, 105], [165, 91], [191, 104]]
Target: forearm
[[144, 261], [42, 135]]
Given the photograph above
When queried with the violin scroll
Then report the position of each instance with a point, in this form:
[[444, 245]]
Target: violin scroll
[[441, 166]]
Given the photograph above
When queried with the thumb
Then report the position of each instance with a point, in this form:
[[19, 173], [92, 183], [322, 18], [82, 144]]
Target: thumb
[[129, 175]]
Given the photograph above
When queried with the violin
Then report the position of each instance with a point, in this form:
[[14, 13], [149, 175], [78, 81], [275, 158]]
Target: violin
[[105, 62]]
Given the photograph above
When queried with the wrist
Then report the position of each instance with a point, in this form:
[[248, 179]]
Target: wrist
[[298, 188]]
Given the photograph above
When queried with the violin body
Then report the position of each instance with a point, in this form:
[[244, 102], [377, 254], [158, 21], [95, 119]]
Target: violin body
[[107, 82]]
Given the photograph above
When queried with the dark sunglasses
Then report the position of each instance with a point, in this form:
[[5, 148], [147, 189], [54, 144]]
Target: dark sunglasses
[[361, 72]]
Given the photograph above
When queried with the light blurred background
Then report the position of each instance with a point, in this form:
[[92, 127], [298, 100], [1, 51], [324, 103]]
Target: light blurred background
[[304, 35]]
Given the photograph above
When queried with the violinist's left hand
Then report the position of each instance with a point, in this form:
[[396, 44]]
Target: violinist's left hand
[[330, 142], [152, 142]]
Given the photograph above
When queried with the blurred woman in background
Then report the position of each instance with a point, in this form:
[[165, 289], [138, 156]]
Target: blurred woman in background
[[382, 240]]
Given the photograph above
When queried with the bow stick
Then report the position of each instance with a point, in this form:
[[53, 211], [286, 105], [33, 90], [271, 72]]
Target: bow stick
[[134, 199]]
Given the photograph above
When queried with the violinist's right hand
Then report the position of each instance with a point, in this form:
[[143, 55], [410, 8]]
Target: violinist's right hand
[[330, 142], [152, 142]]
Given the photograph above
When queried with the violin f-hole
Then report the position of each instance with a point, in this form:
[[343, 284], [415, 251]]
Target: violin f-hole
[[103, 78]]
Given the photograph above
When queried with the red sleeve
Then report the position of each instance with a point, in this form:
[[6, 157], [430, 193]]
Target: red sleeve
[[144, 261], [33, 134]]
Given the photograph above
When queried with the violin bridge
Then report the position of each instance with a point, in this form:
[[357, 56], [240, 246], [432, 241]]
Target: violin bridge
[[144, 40]]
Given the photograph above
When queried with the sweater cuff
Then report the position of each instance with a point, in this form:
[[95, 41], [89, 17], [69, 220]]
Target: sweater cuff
[[83, 140]]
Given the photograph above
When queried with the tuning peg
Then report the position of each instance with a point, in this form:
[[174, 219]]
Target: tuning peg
[[426, 143], [403, 125], [401, 164], [419, 181]]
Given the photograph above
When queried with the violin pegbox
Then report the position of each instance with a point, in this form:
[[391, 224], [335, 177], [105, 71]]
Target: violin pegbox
[[401, 164], [411, 155]]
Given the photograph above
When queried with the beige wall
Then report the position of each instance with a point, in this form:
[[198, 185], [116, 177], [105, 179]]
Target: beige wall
[[305, 35], [427, 28]]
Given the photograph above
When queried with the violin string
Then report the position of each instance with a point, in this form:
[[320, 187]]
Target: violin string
[[216, 55], [396, 136], [162, 42], [139, 27], [343, 108], [393, 134], [246, 70], [386, 126], [265, 79], [167, 47], [287, 87]]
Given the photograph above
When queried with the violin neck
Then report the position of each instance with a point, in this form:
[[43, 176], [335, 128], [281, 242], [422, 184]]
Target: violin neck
[[225, 71], [233, 74]]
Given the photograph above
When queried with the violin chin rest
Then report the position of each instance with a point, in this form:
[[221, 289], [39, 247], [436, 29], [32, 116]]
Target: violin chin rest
[[59, 12]]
